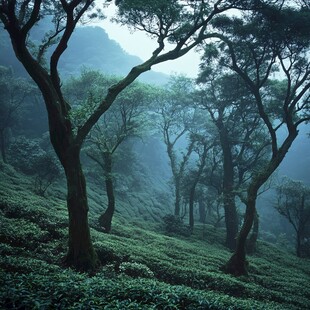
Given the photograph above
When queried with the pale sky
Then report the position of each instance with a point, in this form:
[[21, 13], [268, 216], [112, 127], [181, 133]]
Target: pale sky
[[140, 45]]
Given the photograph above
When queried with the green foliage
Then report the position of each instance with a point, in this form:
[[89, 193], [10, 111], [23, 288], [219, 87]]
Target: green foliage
[[47, 171], [136, 270], [23, 153], [161, 272], [174, 224]]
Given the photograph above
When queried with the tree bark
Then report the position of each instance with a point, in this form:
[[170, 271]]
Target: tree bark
[[231, 215], [251, 242], [105, 220], [191, 207], [202, 211], [177, 197], [81, 254], [237, 264]]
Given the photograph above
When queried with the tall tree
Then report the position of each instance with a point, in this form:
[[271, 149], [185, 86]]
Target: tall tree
[[202, 147], [231, 109], [183, 23], [124, 120], [273, 39], [175, 119]]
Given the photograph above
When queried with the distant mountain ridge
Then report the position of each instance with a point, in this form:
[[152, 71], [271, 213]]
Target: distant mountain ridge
[[90, 47], [104, 54]]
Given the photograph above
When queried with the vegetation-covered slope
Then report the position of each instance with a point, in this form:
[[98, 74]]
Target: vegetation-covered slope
[[142, 268]]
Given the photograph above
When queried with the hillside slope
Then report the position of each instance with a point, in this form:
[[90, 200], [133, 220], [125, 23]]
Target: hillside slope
[[89, 47], [142, 268]]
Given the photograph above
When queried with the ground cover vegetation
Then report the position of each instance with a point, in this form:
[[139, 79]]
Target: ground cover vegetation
[[142, 266], [173, 172]]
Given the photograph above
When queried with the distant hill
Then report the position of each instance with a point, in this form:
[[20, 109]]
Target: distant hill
[[89, 47]]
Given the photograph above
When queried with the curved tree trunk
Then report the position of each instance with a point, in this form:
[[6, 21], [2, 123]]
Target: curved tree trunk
[[237, 264], [105, 220]]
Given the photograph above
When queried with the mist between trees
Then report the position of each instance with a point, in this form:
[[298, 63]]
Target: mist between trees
[[210, 145]]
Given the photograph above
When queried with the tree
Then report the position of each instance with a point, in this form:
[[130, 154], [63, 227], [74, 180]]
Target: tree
[[12, 96], [183, 23], [124, 120], [293, 202], [273, 39], [240, 135], [202, 152], [176, 116]]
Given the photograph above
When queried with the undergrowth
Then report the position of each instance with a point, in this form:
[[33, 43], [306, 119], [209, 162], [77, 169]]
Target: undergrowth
[[142, 268]]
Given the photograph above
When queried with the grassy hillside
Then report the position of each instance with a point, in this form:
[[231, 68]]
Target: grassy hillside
[[142, 267]]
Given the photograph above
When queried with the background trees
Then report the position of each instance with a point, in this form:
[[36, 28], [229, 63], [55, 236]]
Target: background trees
[[293, 204], [176, 116], [242, 111], [164, 20], [13, 95], [254, 54]]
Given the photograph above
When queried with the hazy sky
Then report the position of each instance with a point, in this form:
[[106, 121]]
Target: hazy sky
[[140, 45]]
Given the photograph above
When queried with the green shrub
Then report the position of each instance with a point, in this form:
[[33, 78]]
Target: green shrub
[[174, 224], [136, 270]]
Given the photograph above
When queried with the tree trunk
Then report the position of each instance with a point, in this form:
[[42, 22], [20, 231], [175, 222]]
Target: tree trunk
[[177, 198], [251, 242], [231, 215], [81, 254], [202, 211], [231, 220], [237, 265], [191, 207], [298, 244], [3, 146], [105, 220]]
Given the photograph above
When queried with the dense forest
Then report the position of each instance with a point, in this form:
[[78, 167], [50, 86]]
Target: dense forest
[[125, 188]]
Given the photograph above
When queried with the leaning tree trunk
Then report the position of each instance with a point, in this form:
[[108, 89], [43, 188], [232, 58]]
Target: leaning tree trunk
[[105, 220], [237, 264], [81, 254]]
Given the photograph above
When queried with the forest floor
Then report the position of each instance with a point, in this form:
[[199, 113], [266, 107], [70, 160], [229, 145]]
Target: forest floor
[[157, 271]]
